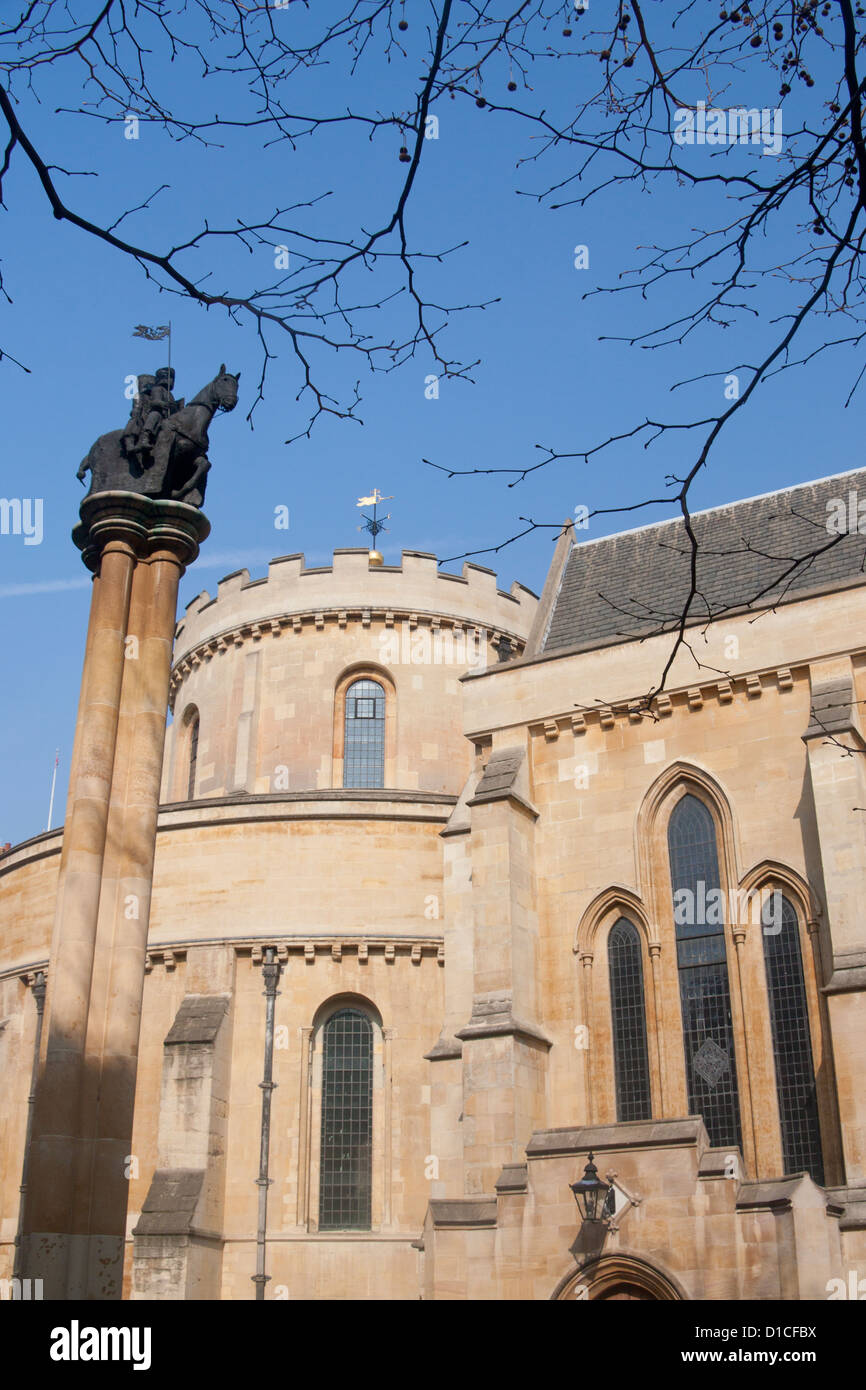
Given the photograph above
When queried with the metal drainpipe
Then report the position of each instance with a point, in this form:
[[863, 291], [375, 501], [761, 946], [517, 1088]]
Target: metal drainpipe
[[39, 996], [271, 975]]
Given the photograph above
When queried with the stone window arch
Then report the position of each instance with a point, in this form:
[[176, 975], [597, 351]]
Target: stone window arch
[[186, 755], [796, 1088], [364, 734], [346, 1130], [628, 1021], [345, 1164], [364, 754], [700, 917], [764, 892], [602, 995], [706, 849]]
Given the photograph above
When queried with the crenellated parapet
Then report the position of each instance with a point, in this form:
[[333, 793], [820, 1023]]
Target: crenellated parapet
[[261, 672], [351, 592]]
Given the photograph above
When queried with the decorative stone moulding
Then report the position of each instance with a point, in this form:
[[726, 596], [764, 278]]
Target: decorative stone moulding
[[412, 948], [251, 632], [165, 956], [145, 524], [257, 954], [30, 977], [694, 697]]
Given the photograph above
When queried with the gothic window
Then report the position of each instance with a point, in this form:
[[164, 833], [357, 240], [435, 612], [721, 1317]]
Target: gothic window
[[192, 745], [631, 1066], [705, 1001], [792, 1043], [345, 1183], [364, 742]]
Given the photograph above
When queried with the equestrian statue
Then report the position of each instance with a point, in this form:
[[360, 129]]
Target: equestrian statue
[[162, 451]]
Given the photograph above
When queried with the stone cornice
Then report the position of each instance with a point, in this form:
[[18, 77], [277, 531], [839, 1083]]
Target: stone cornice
[[275, 625], [252, 806], [748, 686], [310, 945], [428, 808], [27, 972], [330, 794]]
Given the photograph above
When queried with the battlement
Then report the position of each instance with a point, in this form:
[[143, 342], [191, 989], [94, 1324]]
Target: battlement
[[351, 590]]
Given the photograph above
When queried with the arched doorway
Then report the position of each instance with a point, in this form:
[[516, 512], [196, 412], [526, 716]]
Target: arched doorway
[[617, 1277], [624, 1292]]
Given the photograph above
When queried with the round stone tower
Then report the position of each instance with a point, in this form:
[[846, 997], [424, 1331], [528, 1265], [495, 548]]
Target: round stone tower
[[262, 671]]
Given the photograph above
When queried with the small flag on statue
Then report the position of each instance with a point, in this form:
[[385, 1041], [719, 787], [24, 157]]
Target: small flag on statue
[[152, 335]]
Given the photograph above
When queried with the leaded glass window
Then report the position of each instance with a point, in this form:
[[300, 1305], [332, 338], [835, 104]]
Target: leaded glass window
[[193, 757], [346, 1160], [705, 1001], [364, 742], [631, 1066], [792, 1042]]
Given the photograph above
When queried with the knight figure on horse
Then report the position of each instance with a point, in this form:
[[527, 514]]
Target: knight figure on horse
[[162, 451]]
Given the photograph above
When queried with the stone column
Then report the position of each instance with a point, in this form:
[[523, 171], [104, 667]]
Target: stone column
[[137, 548]]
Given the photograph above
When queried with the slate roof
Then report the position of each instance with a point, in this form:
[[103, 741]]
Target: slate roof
[[636, 583]]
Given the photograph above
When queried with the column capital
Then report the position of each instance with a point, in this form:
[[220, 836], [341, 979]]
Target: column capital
[[144, 526]]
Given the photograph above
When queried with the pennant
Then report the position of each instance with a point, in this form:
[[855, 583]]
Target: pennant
[[153, 335]]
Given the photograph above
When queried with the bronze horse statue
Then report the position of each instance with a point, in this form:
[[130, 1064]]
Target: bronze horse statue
[[178, 464]]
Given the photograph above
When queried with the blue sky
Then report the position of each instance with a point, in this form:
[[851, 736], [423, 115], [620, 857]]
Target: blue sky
[[544, 375]]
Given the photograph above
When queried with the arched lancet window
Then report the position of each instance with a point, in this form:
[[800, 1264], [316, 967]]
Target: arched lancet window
[[705, 999], [192, 722], [364, 741], [792, 1041], [631, 1066], [346, 1165]]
